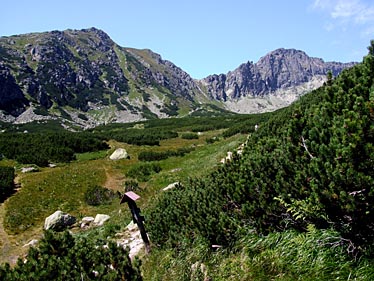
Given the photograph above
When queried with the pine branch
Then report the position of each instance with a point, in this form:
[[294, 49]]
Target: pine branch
[[306, 148]]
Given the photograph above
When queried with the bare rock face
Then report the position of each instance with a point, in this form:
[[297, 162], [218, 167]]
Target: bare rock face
[[280, 69]]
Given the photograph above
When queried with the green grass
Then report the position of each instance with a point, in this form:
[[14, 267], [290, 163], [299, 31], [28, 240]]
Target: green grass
[[92, 155], [194, 164], [42, 193], [63, 187], [313, 255]]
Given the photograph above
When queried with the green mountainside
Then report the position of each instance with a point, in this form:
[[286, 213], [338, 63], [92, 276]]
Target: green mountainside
[[295, 204], [85, 78], [306, 175], [81, 78]]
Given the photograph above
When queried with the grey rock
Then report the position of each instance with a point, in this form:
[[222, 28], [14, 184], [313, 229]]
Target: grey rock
[[100, 219], [28, 169], [88, 219], [86, 222], [119, 153], [280, 69], [59, 221]]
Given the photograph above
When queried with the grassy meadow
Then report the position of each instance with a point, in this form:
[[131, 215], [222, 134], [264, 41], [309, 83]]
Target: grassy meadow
[[63, 187]]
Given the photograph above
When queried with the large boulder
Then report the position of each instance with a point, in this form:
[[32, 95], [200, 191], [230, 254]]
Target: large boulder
[[119, 153], [59, 221]]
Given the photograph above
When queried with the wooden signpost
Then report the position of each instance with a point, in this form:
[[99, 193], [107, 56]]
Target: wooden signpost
[[130, 197]]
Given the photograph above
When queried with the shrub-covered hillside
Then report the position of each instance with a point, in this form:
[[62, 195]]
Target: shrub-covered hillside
[[310, 166]]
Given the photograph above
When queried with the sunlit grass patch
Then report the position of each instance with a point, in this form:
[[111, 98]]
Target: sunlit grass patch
[[60, 188], [91, 155]]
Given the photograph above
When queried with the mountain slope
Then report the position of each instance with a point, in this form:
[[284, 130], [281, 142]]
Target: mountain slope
[[73, 73], [84, 78], [306, 171], [281, 76]]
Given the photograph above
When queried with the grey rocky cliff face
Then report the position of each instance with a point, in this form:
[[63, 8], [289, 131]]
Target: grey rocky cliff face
[[280, 69]]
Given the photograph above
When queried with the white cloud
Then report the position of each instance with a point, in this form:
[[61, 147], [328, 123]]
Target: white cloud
[[346, 9], [368, 32], [366, 15], [329, 26], [348, 12], [322, 4]]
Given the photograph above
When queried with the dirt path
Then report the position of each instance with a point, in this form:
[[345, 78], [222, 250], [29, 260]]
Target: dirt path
[[113, 181], [11, 247], [5, 244]]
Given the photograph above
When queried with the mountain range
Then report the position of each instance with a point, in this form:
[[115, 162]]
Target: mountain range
[[83, 78]]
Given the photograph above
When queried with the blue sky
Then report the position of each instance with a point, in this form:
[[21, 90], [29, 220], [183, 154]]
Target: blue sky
[[204, 37]]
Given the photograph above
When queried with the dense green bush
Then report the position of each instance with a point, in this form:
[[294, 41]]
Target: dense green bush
[[140, 136], [190, 136], [310, 163], [44, 148], [142, 172], [6, 182], [131, 185], [152, 156], [98, 195], [60, 256], [157, 156], [289, 255]]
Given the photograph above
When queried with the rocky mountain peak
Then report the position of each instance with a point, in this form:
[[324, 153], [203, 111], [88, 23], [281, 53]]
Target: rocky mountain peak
[[279, 69]]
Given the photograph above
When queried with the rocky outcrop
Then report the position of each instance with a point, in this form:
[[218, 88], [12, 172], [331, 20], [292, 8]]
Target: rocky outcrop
[[131, 239], [59, 221], [280, 69], [156, 71]]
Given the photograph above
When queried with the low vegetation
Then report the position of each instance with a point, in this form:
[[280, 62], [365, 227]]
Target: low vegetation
[[308, 167], [142, 172], [296, 204], [42, 149], [6, 182], [60, 256], [98, 195], [157, 156]]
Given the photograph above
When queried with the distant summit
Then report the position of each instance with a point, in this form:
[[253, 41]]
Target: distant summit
[[277, 79], [86, 79]]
